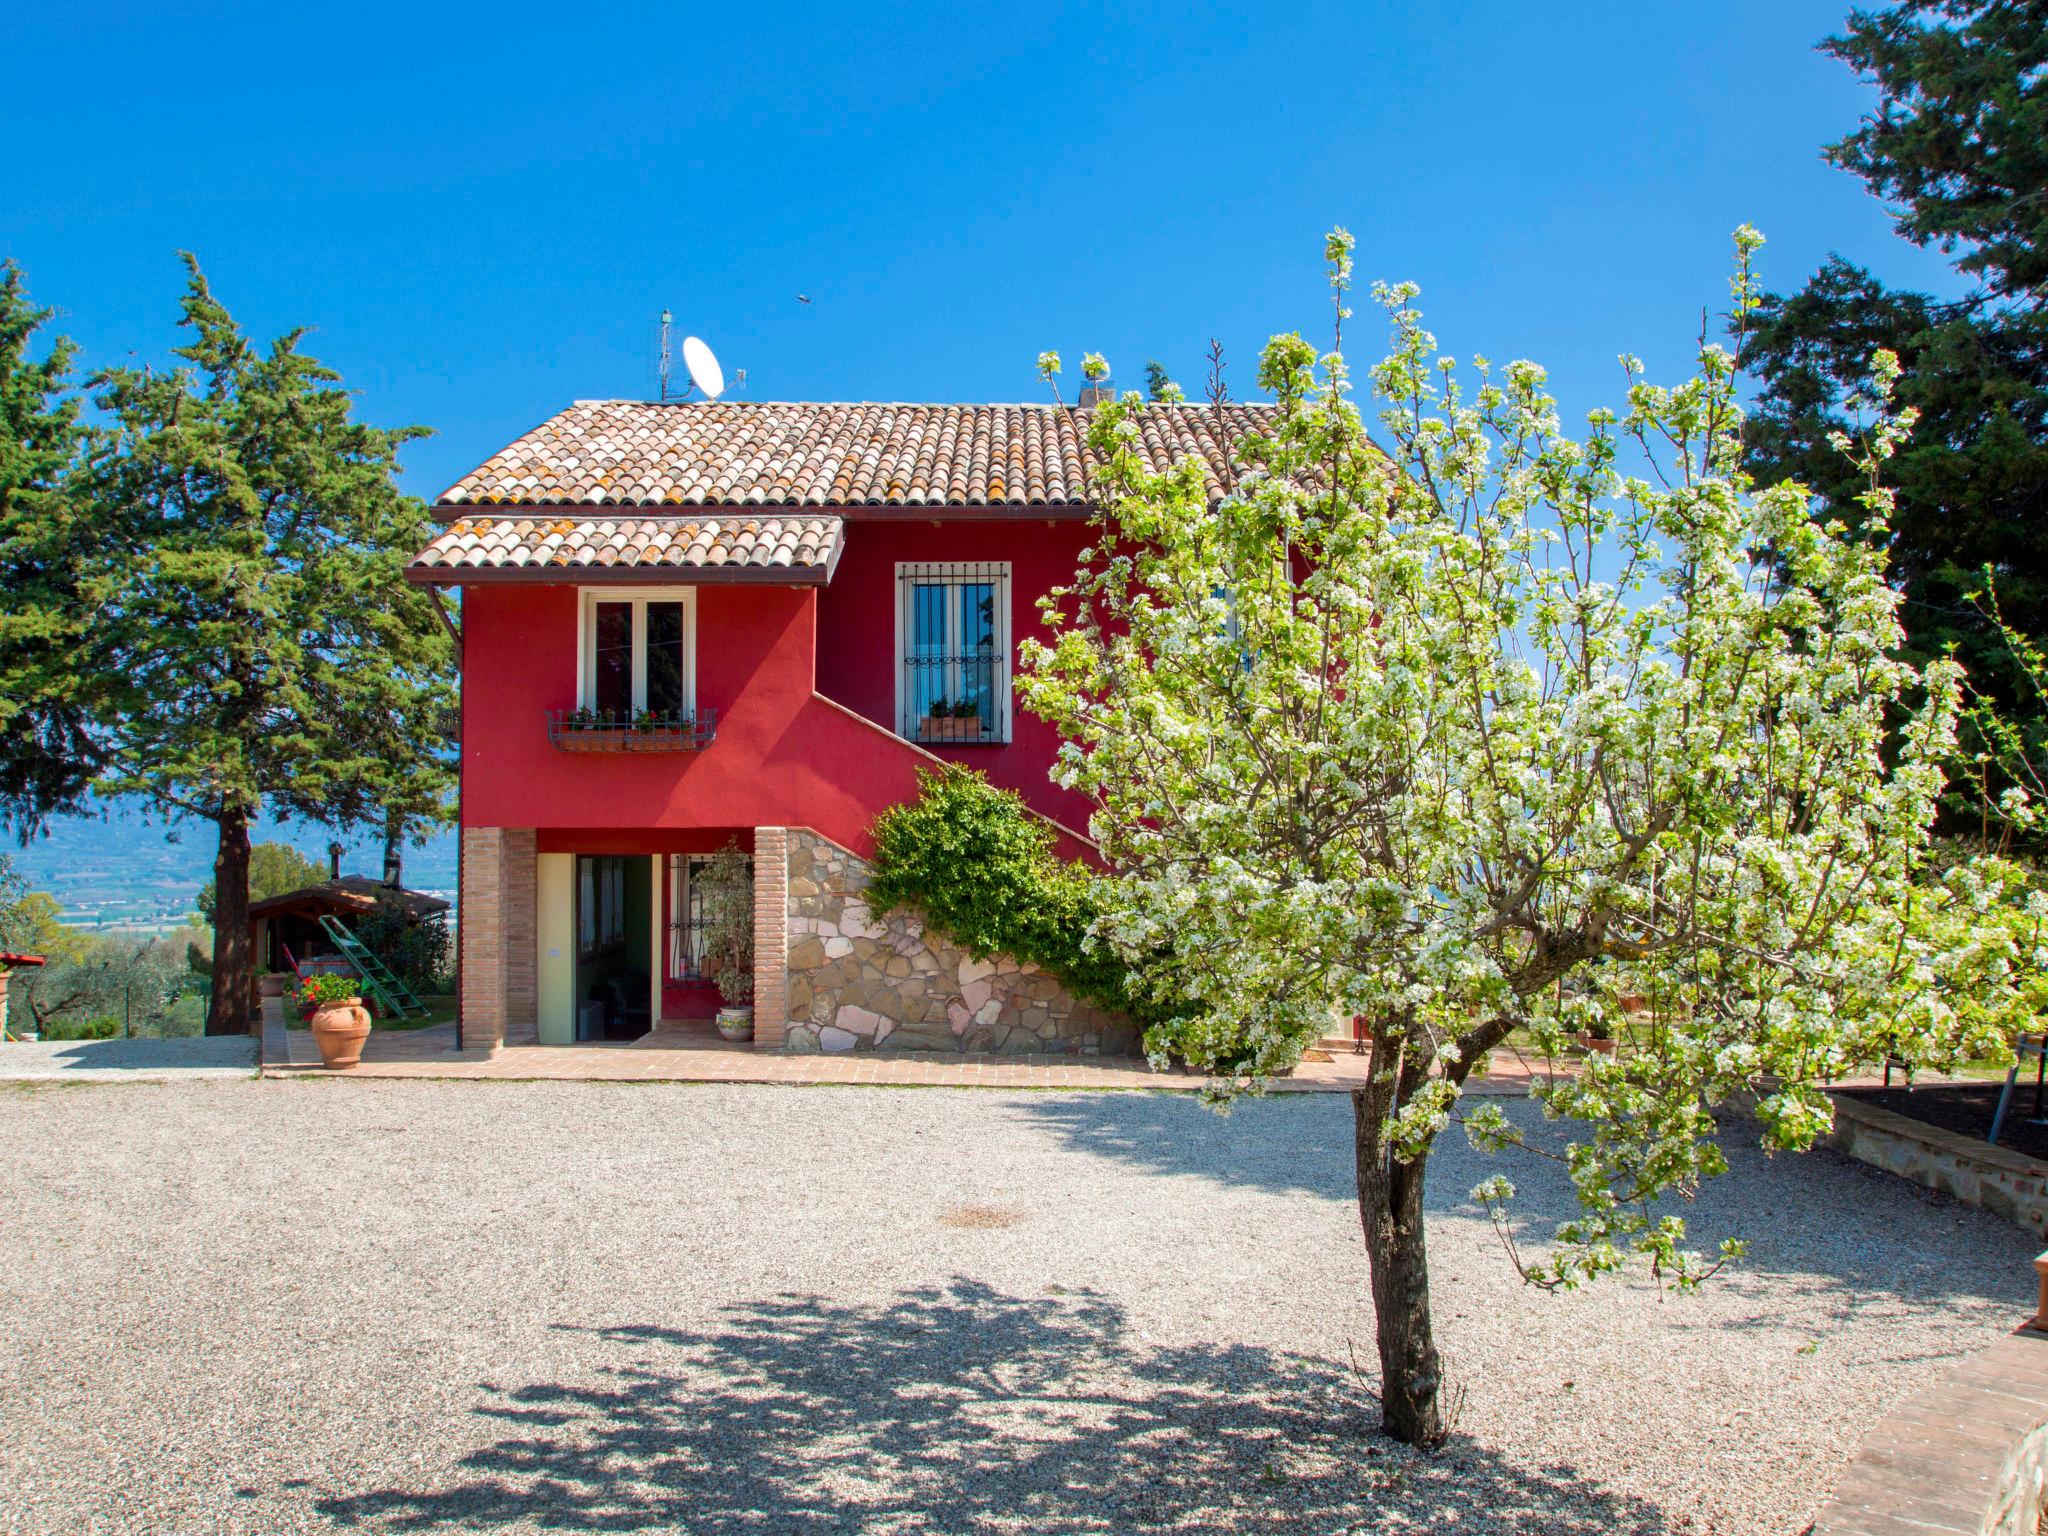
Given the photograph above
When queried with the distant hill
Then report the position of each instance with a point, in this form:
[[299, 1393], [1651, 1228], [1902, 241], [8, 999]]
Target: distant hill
[[128, 870]]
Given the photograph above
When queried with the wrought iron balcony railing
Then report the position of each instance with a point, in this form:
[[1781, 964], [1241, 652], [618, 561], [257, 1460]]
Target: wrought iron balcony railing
[[591, 730]]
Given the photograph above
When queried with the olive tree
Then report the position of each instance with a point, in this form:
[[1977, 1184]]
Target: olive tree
[[1479, 728]]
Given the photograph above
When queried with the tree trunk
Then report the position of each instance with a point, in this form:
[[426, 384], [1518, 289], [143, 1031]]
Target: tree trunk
[[233, 962], [1390, 1208]]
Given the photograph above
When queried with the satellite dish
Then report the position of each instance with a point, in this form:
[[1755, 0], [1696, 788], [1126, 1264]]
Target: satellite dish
[[704, 370]]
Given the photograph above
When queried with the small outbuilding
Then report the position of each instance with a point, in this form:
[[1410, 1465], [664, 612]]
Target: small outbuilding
[[286, 929], [10, 962]]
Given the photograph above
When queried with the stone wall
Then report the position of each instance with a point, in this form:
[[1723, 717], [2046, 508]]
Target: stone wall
[[1996, 1179], [862, 980]]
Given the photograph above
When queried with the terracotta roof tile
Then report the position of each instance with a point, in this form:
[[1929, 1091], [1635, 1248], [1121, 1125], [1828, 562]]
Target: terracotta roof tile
[[726, 453], [792, 548]]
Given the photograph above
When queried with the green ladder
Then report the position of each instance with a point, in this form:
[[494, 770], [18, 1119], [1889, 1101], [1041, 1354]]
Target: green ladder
[[379, 980]]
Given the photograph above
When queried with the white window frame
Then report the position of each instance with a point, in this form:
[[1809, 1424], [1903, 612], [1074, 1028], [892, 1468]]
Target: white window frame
[[907, 574], [639, 597]]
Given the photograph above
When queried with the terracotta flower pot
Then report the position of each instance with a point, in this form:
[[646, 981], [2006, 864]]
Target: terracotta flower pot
[[1596, 1045], [272, 984], [339, 1029], [949, 728]]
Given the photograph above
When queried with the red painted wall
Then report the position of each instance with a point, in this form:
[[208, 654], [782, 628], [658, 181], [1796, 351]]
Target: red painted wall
[[784, 756], [857, 660]]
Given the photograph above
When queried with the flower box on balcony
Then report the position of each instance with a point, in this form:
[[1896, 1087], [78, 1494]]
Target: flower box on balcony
[[950, 728], [583, 730]]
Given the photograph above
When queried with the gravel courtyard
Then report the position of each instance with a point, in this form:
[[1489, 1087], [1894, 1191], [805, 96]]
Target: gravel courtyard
[[416, 1306]]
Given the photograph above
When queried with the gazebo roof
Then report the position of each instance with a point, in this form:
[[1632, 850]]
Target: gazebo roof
[[349, 895]]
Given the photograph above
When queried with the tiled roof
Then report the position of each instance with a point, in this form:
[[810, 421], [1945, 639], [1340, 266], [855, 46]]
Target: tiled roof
[[727, 453], [792, 549], [357, 893]]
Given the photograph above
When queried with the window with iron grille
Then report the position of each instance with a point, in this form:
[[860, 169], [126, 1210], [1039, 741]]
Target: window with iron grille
[[953, 627], [686, 917]]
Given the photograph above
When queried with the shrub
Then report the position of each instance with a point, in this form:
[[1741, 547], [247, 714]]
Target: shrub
[[417, 951], [81, 1029], [982, 869]]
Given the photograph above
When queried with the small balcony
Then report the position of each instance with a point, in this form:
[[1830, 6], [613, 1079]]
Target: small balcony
[[590, 730]]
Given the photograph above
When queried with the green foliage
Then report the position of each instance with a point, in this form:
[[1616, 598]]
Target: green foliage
[[139, 983], [47, 698], [1959, 150], [727, 887], [1160, 389], [1960, 143], [274, 870], [250, 605], [102, 1028], [327, 988], [982, 870], [30, 920], [417, 951]]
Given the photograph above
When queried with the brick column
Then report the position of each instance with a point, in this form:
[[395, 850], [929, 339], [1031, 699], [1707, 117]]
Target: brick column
[[520, 927], [771, 937], [480, 932], [500, 987]]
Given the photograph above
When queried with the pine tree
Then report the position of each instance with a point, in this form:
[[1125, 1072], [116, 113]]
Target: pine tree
[[268, 650], [47, 751], [1959, 147], [275, 869]]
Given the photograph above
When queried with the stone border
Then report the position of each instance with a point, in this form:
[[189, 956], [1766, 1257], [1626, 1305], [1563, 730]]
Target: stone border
[[1967, 1457], [1995, 1179]]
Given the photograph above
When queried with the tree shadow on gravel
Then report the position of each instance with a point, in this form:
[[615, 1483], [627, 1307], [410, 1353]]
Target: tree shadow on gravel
[[1818, 1224], [1286, 1143], [962, 1409]]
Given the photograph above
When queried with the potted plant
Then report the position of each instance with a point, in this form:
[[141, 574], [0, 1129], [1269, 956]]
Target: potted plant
[[340, 1021], [951, 722], [1598, 1036], [727, 884]]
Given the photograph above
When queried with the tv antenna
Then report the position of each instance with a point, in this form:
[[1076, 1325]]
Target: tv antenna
[[699, 363]]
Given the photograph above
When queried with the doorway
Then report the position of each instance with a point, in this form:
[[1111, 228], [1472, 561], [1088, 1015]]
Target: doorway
[[614, 928]]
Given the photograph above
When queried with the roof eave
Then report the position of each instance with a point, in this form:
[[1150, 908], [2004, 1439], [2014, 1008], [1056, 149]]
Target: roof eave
[[457, 511], [625, 575]]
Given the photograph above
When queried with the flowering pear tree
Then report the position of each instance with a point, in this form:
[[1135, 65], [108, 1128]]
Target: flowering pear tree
[[1481, 729]]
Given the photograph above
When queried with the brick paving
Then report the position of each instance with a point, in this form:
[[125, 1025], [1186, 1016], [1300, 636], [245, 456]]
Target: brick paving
[[682, 1055], [1965, 1457]]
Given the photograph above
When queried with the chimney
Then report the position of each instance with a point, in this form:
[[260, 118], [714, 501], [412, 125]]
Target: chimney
[[334, 852], [1095, 394], [394, 830]]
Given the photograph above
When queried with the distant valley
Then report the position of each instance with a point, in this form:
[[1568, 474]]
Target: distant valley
[[129, 871]]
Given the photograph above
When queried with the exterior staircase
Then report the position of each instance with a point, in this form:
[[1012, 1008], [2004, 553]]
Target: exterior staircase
[[393, 997]]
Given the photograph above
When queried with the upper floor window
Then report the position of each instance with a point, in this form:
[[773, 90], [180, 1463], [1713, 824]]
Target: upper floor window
[[639, 651], [953, 634]]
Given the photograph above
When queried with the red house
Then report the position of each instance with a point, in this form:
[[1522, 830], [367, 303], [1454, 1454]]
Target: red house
[[688, 624]]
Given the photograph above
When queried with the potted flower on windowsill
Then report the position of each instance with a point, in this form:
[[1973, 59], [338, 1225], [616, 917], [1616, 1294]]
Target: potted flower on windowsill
[[727, 884], [340, 1021], [951, 722]]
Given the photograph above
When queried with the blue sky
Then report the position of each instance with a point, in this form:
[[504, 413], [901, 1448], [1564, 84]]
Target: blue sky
[[483, 211]]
